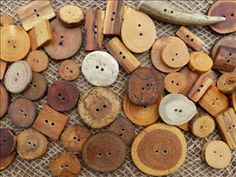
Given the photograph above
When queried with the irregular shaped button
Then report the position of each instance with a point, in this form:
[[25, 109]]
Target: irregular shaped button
[[100, 68], [74, 137], [145, 86], [65, 41], [63, 95], [22, 112], [104, 152], [38, 60], [227, 83], [31, 144], [176, 109], [18, 77], [200, 62], [7, 142], [226, 9], [159, 150], [216, 154], [7, 160], [99, 107], [65, 165], [175, 82], [4, 100], [69, 70]]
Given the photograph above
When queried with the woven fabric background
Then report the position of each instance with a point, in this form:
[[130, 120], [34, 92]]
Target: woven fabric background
[[193, 165]]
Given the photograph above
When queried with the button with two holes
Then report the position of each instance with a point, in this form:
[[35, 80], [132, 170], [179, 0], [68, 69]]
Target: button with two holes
[[175, 82], [38, 60], [69, 70]]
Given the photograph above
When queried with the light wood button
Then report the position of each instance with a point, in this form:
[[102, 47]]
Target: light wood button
[[227, 83], [200, 62], [38, 60], [69, 70], [3, 68], [6, 20], [175, 82], [4, 100]]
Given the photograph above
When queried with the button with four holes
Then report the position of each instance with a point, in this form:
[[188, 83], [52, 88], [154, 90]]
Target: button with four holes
[[175, 82], [69, 70], [38, 60]]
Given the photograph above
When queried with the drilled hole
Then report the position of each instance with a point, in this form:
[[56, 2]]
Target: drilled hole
[[172, 82], [61, 43], [173, 59], [147, 85], [97, 67], [176, 110], [201, 85], [140, 34], [62, 36], [66, 166], [52, 123], [230, 54], [180, 110], [109, 153], [172, 12], [233, 126], [192, 40], [214, 152], [97, 110], [78, 139], [59, 94], [187, 35], [176, 54], [34, 85], [156, 151], [35, 10], [102, 69], [37, 15], [21, 110], [229, 128], [139, 25], [120, 135], [99, 155], [198, 90], [17, 74], [105, 106], [177, 84], [112, 19], [123, 57], [74, 138], [114, 13], [232, 15], [143, 88], [25, 115], [46, 121], [34, 145], [120, 53], [29, 142], [165, 10], [145, 106], [201, 127]]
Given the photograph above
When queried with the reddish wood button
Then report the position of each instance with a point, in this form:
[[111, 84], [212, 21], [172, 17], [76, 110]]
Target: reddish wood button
[[38, 60], [7, 142], [4, 100], [69, 70], [7, 160]]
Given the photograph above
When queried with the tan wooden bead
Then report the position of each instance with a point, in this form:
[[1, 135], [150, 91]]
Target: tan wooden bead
[[6, 20], [3, 67], [38, 60], [200, 62], [175, 82], [227, 83], [69, 70]]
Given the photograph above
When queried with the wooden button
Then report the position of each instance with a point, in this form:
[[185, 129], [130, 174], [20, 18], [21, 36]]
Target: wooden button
[[65, 165], [138, 32], [69, 70], [31, 144], [63, 95], [65, 41], [99, 107], [176, 109], [184, 127], [6, 20], [202, 125], [22, 112], [7, 142], [4, 100], [200, 62], [227, 83], [227, 10], [124, 128], [7, 160], [159, 150], [74, 137], [38, 87], [38, 60], [104, 152], [141, 115], [18, 77], [175, 82], [233, 100], [3, 68], [216, 154], [145, 86], [100, 68], [50, 122]]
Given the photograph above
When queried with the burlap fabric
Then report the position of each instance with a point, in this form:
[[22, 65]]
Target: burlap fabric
[[193, 165]]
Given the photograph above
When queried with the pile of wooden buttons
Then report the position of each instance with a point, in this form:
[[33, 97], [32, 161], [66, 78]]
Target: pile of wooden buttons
[[175, 89]]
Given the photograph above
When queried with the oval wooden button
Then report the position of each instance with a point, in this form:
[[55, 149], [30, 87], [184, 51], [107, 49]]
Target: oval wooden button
[[159, 150], [69, 70], [38, 60], [18, 77], [200, 62], [31, 144], [65, 41], [63, 95], [104, 152], [216, 154], [22, 112], [7, 160], [145, 86], [4, 100], [65, 165], [99, 107], [175, 82], [227, 83], [138, 32], [176, 109], [74, 137], [100, 68], [7, 142]]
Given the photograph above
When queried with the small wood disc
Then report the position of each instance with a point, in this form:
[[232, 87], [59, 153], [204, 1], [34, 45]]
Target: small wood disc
[[159, 150], [7, 142], [6, 20], [4, 100], [227, 83], [7, 160], [175, 82], [69, 70], [38, 60], [200, 62]]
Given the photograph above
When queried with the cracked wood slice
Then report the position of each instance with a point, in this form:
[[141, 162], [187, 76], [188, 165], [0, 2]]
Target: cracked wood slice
[[38, 60], [3, 68], [227, 83], [69, 70], [200, 62], [159, 150], [7, 142], [6, 20], [175, 82], [7, 160], [4, 100]]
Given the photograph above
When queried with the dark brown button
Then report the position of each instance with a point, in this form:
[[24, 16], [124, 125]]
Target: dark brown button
[[7, 142], [124, 128], [63, 95], [22, 112], [145, 86], [4, 100], [104, 152], [7, 160], [38, 87]]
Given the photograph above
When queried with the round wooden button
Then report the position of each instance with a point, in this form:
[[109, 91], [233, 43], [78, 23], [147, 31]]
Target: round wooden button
[[15, 43], [65, 165], [226, 9], [65, 41], [37, 88], [7, 142], [38, 60], [31, 144], [216, 154], [145, 86], [200, 62], [227, 83], [138, 32], [159, 150], [176, 109], [63, 95], [100, 68], [175, 82], [6, 20], [22, 112], [104, 152], [141, 115], [18, 77], [69, 70], [4, 100], [99, 107], [74, 137], [7, 160]]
